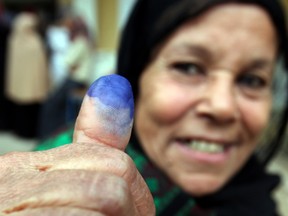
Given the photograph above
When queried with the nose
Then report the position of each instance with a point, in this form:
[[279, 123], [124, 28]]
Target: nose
[[219, 101]]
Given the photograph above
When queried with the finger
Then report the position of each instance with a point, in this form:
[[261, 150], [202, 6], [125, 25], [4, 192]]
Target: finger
[[56, 211], [100, 192], [90, 181], [106, 114]]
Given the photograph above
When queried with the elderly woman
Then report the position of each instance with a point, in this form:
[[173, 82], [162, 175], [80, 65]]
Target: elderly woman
[[201, 73]]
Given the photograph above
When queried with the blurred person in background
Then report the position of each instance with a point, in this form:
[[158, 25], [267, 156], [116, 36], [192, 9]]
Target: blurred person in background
[[4, 32], [58, 42], [78, 56], [27, 78], [52, 113], [78, 60], [201, 72], [73, 66]]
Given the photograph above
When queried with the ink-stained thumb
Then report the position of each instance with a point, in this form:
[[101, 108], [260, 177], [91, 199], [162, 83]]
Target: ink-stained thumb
[[106, 114]]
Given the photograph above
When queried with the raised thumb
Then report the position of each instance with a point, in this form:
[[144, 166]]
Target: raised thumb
[[106, 114]]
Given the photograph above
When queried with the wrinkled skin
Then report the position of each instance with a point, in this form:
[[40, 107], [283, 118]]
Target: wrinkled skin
[[210, 83], [92, 176]]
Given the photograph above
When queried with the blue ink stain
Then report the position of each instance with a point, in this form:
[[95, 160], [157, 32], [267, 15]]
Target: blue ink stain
[[114, 91]]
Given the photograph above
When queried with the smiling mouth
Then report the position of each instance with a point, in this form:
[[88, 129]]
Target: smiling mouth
[[205, 146]]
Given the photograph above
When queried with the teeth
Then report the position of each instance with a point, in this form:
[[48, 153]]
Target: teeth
[[206, 147]]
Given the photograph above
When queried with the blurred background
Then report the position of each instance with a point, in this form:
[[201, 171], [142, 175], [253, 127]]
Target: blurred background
[[52, 50]]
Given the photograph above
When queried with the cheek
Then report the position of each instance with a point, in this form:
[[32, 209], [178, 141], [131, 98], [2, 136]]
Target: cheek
[[256, 115], [166, 105]]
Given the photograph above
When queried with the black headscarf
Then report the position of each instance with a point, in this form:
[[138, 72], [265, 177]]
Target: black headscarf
[[152, 21]]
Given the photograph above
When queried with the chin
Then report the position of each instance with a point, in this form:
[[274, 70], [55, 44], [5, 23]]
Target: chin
[[201, 186]]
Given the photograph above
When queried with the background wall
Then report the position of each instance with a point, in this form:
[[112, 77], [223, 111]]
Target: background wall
[[87, 9], [106, 19], [124, 8]]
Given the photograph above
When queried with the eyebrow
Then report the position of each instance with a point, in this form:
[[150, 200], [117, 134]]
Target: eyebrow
[[261, 64], [200, 51], [193, 50], [203, 53]]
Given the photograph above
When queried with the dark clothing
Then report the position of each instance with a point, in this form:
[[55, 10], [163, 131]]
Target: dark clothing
[[59, 110], [248, 193], [24, 119], [4, 103]]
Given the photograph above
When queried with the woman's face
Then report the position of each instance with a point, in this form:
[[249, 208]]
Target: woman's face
[[205, 98]]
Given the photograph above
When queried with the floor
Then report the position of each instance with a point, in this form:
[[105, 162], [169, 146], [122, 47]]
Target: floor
[[9, 142]]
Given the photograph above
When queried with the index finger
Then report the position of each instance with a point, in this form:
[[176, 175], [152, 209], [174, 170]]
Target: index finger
[[106, 114]]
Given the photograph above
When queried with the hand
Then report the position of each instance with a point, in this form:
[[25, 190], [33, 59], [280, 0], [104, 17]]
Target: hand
[[92, 176]]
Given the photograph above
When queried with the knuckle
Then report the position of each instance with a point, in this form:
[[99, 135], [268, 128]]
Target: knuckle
[[125, 164], [122, 165], [111, 193]]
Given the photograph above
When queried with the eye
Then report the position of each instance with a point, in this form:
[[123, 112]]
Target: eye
[[252, 81], [188, 68]]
